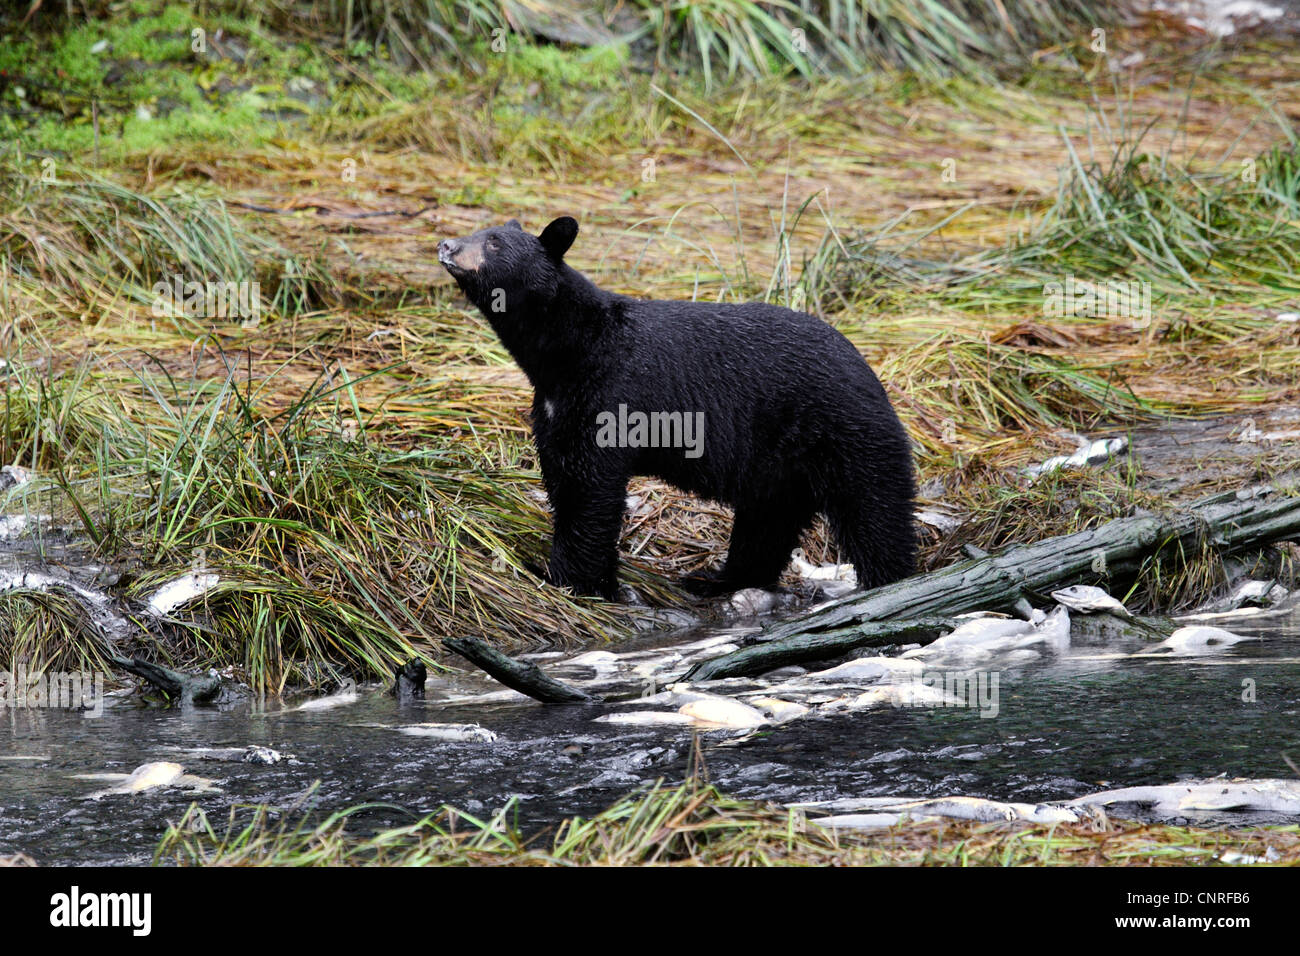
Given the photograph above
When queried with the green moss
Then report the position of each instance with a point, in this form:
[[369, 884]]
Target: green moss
[[148, 63], [561, 69]]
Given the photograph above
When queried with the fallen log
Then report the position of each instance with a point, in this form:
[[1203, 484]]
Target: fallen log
[[1229, 522], [918, 609], [518, 675], [810, 648], [190, 688]]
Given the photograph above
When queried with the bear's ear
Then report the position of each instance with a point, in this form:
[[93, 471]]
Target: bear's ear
[[514, 224], [558, 236]]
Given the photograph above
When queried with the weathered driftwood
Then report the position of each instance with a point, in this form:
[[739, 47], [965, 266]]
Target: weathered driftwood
[[820, 646], [190, 688], [917, 607], [1234, 521], [518, 675]]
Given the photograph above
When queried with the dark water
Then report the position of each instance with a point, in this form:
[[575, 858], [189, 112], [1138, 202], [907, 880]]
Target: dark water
[[1087, 720]]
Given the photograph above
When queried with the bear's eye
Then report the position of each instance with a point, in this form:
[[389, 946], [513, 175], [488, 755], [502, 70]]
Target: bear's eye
[[491, 245]]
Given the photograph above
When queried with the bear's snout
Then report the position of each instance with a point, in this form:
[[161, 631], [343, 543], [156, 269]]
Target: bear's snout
[[461, 255]]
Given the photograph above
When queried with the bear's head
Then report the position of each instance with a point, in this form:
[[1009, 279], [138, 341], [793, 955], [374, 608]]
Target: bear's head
[[503, 269]]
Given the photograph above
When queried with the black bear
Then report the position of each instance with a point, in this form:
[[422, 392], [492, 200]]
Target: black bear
[[763, 408]]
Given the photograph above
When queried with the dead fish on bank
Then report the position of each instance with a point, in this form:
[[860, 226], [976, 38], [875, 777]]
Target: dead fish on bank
[[889, 811], [869, 669], [1193, 640], [1086, 599], [13, 476], [1248, 615], [822, 572], [984, 638], [909, 694], [833, 579], [751, 602], [149, 776], [719, 711], [1235, 858], [1252, 594], [506, 696], [1089, 453], [647, 718], [1269, 796], [778, 710], [941, 520], [345, 696], [452, 733], [12, 526], [179, 591], [697, 709], [601, 669], [603, 663], [866, 821]]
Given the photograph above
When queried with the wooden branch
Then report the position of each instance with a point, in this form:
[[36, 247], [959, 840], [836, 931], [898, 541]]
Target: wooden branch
[[190, 688], [517, 675], [920, 607], [819, 646], [1234, 521]]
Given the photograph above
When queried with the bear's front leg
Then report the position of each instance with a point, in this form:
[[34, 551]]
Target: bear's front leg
[[588, 515]]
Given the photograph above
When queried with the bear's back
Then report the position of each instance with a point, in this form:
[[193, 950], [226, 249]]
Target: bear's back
[[748, 347], [773, 386]]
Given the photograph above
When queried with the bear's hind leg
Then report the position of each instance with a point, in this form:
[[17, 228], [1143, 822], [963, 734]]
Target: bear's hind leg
[[877, 537]]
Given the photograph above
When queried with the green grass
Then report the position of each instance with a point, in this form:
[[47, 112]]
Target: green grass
[[49, 630], [533, 106], [82, 243], [112, 87], [1141, 214], [107, 88], [1122, 213], [338, 555], [359, 500], [723, 39]]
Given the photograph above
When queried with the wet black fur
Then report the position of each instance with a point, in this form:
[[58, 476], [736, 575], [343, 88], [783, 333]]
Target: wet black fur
[[795, 420], [408, 680]]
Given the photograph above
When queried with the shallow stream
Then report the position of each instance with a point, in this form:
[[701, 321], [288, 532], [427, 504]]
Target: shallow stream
[[1072, 722]]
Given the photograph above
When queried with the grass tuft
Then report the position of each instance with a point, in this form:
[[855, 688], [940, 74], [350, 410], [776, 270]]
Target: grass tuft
[[693, 825]]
